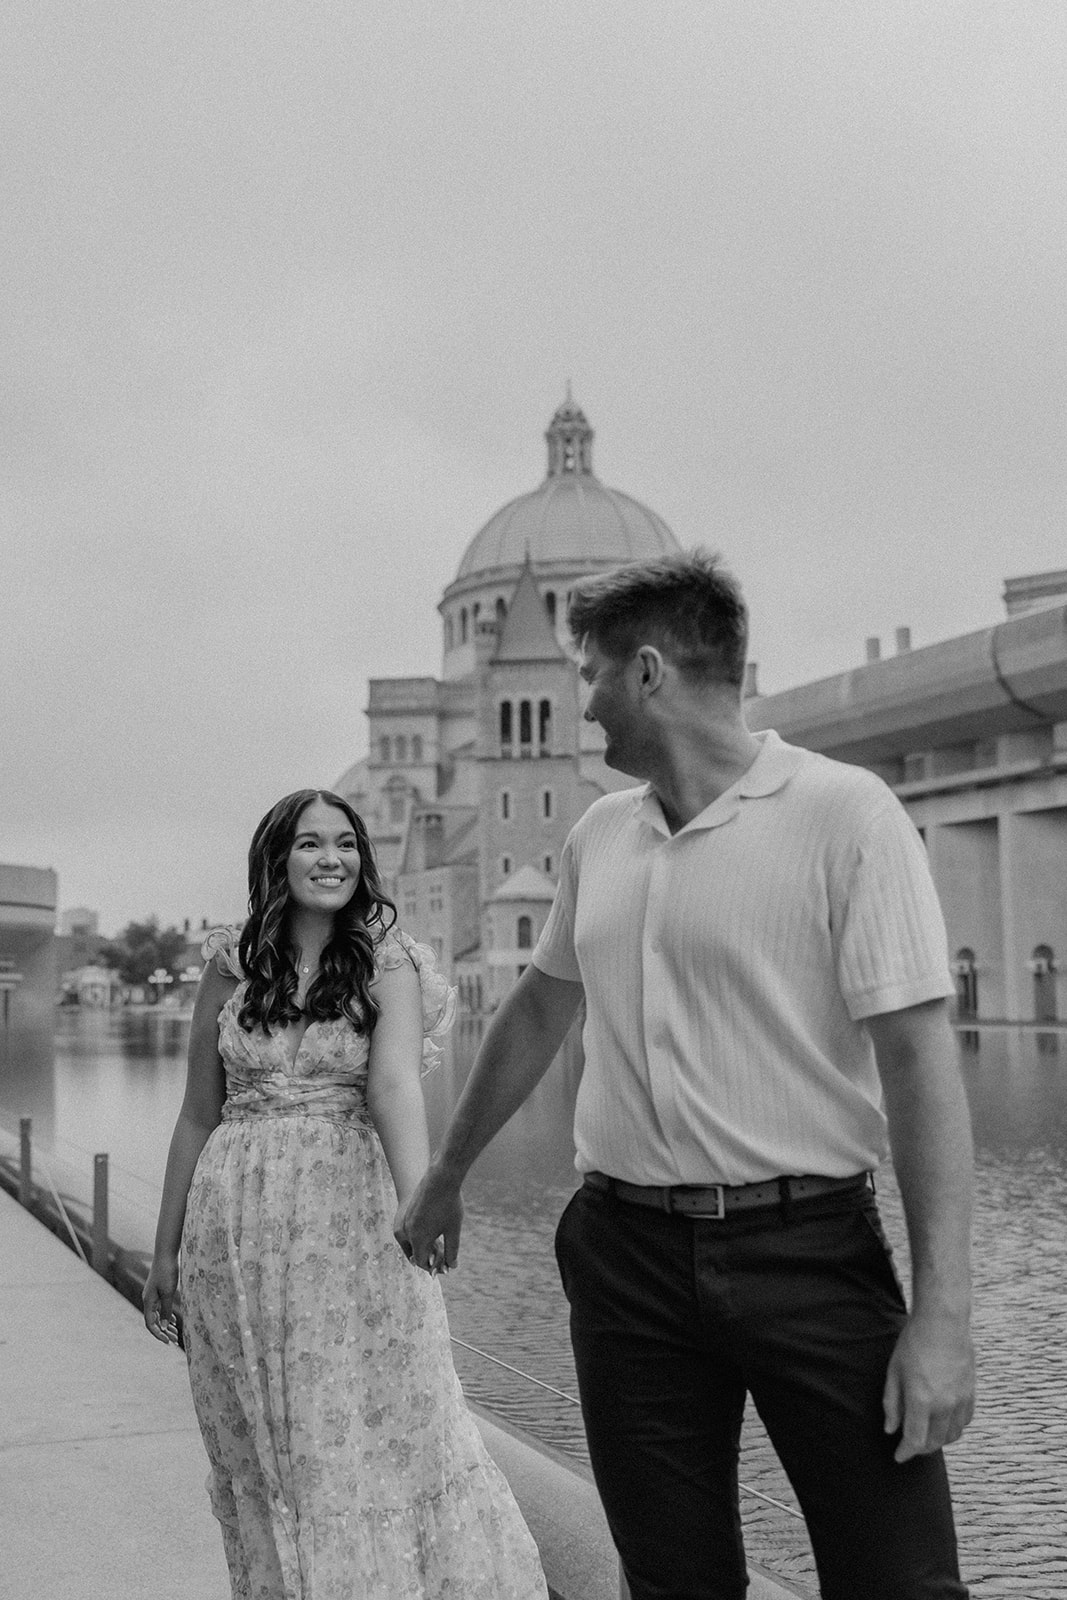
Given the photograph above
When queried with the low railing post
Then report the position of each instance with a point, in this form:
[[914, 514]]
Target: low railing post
[[25, 1161], [100, 1243]]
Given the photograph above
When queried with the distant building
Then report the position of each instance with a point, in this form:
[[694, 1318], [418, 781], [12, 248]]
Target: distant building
[[972, 735], [79, 943], [27, 944], [474, 779], [95, 986]]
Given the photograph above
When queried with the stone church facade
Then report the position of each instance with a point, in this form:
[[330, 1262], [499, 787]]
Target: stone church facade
[[474, 779]]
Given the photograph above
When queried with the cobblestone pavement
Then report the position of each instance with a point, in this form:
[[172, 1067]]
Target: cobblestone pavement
[[1009, 1472]]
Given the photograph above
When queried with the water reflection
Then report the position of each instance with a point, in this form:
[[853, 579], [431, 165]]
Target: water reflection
[[536, 1147], [1017, 1091], [27, 1074], [154, 1035]]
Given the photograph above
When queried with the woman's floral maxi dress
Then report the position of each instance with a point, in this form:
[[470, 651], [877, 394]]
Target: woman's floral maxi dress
[[345, 1464]]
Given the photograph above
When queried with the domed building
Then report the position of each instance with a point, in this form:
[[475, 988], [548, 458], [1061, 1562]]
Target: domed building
[[474, 780], [569, 527]]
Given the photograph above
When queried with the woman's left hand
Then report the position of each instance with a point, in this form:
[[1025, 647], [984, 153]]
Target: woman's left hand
[[157, 1298]]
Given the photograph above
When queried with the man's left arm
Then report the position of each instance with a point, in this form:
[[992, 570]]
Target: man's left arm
[[929, 1389]]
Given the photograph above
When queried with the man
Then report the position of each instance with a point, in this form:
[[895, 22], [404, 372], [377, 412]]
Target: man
[[763, 963]]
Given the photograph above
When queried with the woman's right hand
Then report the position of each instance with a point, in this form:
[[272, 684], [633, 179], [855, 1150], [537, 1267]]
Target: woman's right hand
[[160, 1288]]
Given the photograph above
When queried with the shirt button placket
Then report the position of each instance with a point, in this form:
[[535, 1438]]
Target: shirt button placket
[[655, 988]]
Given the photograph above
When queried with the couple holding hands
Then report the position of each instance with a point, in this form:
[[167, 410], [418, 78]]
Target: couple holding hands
[[758, 944]]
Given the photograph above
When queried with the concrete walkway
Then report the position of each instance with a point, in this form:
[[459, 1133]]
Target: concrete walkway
[[102, 1470]]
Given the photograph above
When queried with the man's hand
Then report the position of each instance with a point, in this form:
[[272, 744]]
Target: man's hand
[[929, 1387], [435, 1209]]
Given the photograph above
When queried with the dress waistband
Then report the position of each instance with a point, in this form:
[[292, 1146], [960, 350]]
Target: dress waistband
[[345, 1106]]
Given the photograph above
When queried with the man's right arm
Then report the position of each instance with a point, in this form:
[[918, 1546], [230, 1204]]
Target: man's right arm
[[522, 1041]]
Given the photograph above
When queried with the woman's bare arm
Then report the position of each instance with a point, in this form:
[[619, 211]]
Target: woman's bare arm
[[394, 1089], [201, 1112]]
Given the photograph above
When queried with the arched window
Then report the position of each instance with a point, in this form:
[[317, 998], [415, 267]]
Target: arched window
[[385, 749], [396, 808], [1043, 966], [966, 975], [448, 633], [544, 727], [550, 606], [501, 608], [505, 805], [474, 612], [548, 865], [524, 933], [506, 728], [546, 803], [505, 866], [525, 727], [463, 625], [401, 747], [416, 747]]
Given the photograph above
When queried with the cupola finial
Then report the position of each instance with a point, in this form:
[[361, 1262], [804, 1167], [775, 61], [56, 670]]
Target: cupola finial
[[570, 441]]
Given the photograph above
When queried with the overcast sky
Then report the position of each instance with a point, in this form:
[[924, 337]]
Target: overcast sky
[[290, 293]]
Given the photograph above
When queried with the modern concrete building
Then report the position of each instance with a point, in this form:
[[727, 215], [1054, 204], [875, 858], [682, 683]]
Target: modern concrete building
[[27, 945], [474, 779], [972, 735]]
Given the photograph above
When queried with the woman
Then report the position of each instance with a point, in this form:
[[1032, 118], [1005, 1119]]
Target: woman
[[344, 1461]]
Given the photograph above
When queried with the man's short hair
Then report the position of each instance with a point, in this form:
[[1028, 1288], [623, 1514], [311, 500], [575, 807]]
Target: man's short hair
[[687, 605]]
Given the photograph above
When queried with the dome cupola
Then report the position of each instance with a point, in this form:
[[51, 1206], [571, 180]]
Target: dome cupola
[[570, 441], [572, 525]]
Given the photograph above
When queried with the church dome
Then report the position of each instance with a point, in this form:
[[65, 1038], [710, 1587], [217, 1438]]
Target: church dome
[[571, 518]]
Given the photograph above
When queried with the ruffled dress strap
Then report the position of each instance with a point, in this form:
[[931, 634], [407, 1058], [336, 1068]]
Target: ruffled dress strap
[[221, 943], [438, 996]]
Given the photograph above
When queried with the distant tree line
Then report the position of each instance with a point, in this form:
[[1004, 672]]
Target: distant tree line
[[142, 948]]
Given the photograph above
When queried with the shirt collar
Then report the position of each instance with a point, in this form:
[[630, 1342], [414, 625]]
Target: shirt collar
[[772, 769]]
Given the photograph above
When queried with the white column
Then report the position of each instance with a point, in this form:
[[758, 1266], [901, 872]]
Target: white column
[[1033, 865], [965, 863]]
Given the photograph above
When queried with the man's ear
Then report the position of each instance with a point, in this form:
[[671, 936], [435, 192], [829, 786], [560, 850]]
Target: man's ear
[[651, 668]]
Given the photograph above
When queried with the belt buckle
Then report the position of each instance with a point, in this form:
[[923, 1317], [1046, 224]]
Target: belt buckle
[[720, 1211]]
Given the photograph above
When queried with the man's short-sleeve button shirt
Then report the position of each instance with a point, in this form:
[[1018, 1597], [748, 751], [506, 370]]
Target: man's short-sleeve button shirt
[[728, 969]]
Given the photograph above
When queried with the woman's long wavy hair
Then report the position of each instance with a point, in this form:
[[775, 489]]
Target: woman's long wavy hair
[[346, 971]]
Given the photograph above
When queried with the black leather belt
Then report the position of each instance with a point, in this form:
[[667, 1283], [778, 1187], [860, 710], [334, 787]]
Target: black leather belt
[[718, 1200]]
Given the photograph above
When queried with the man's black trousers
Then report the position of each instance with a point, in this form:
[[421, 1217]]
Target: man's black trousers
[[675, 1320]]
